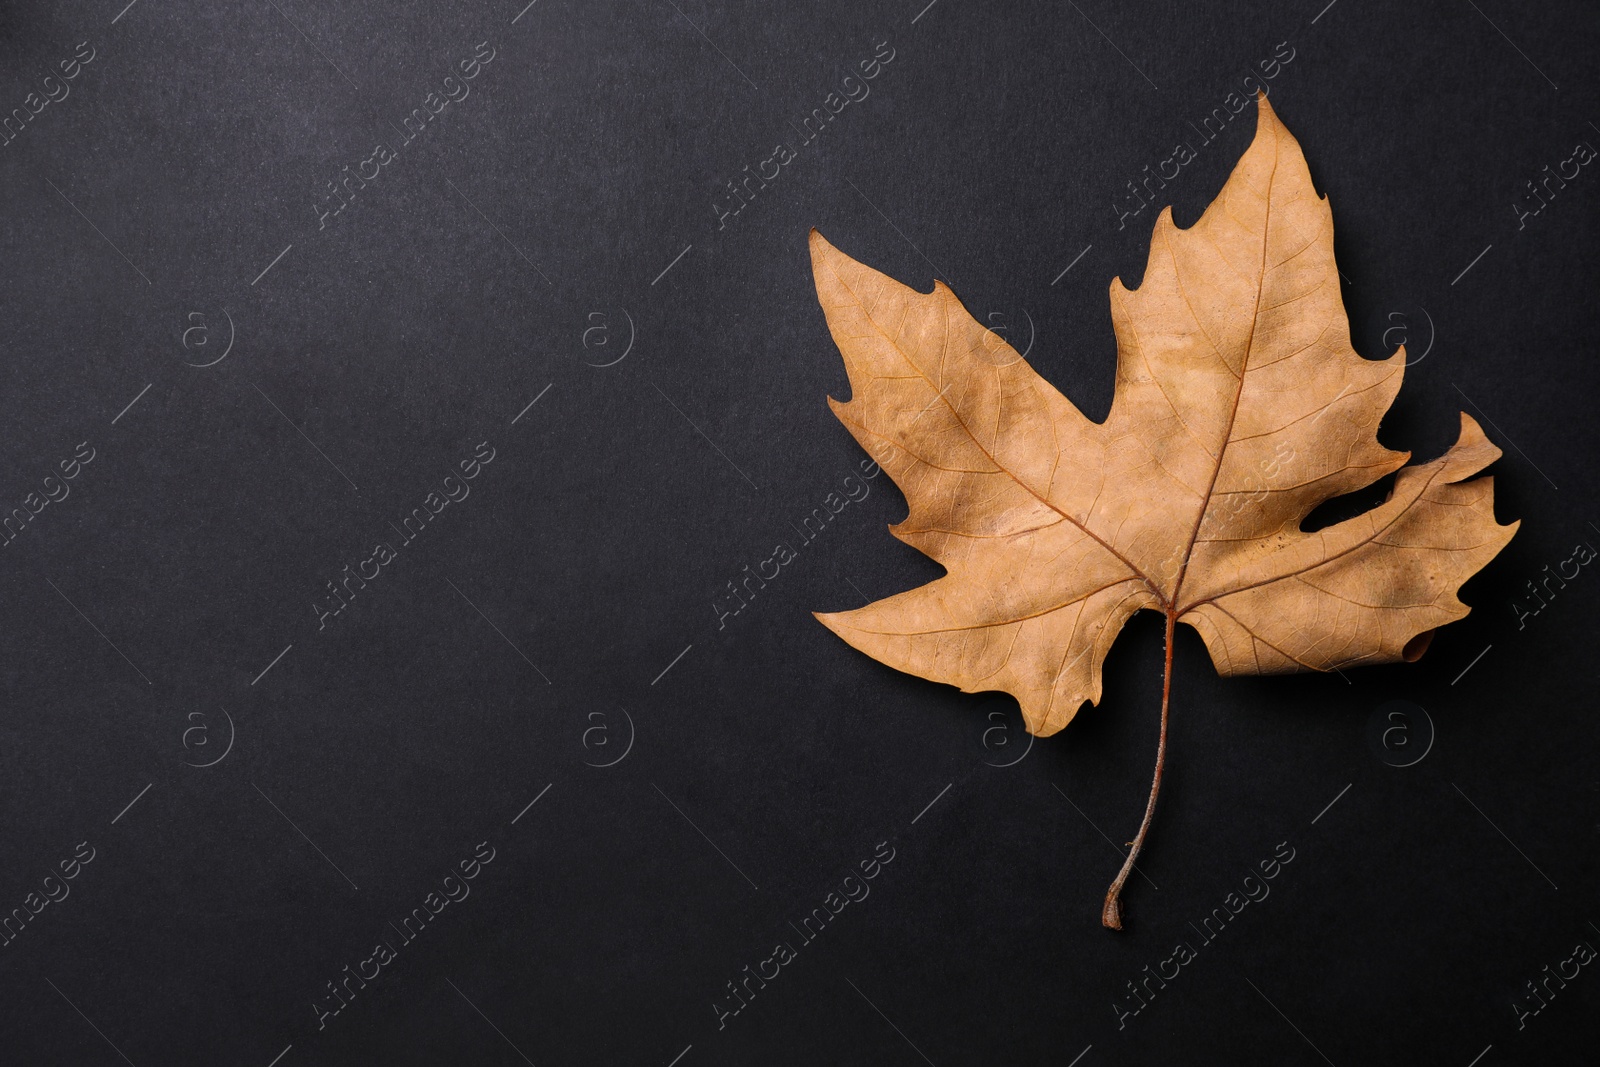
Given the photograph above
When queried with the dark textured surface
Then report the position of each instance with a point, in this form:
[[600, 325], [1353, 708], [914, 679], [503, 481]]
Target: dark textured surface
[[525, 636]]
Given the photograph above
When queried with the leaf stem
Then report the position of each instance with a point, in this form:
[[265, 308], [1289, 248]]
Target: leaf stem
[[1111, 915]]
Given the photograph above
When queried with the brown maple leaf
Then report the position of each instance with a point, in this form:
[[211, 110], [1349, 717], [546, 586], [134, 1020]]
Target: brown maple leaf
[[1240, 406]]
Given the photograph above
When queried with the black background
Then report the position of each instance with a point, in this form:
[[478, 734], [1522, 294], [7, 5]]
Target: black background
[[459, 286]]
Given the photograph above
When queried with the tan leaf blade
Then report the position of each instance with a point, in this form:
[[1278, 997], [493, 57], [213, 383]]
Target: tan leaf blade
[[1240, 406]]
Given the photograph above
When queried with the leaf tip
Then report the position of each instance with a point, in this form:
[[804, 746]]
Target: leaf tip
[[1474, 445], [820, 245], [833, 620], [1265, 113], [1471, 432], [1270, 129], [830, 620]]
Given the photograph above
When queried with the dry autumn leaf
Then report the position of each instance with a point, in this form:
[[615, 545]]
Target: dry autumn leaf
[[1240, 406]]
